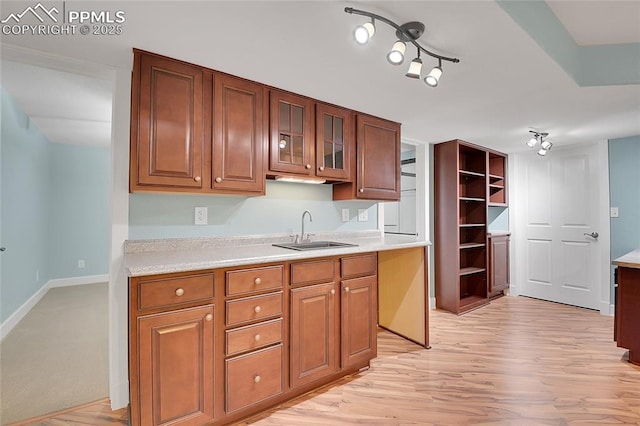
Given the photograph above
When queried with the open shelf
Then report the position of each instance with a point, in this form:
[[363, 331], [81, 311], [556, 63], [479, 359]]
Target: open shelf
[[471, 270], [471, 245]]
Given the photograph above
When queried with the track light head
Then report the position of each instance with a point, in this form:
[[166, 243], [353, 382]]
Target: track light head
[[396, 54], [532, 142], [546, 145], [415, 68], [542, 152], [433, 77], [364, 32]]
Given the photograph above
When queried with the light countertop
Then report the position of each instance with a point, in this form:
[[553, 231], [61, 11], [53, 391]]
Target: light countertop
[[151, 257], [629, 260]]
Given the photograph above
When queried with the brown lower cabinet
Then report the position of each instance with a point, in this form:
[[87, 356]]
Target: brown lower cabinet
[[217, 346], [498, 263]]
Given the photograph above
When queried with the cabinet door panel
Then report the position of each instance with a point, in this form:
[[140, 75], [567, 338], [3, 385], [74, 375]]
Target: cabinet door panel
[[167, 149], [378, 170], [499, 264], [314, 333], [334, 142], [359, 320], [291, 143], [239, 135], [176, 367]]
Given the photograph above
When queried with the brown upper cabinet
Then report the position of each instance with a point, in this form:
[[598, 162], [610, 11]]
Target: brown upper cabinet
[[377, 162], [201, 131], [167, 128], [334, 142], [239, 139], [292, 147], [194, 130]]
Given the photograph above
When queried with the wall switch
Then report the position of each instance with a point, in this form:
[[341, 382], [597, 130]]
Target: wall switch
[[345, 215], [614, 212], [201, 216], [363, 215], [81, 263], [37, 276]]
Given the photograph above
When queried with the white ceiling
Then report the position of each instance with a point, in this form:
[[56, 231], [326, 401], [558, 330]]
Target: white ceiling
[[504, 85]]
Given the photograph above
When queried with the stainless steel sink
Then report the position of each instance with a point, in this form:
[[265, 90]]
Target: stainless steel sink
[[315, 245]]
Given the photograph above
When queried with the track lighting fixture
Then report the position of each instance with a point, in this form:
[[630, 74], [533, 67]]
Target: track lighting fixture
[[434, 75], [415, 67], [396, 54], [545, 145], [365, 31], [409, 32]]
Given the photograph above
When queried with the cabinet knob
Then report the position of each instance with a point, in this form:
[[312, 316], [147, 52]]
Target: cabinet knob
[[257, 281], [256, 379], [361, 190], [332, 291], [209, 317], [197, 178], [321, 168], [257, 309], [179, 292], [218, 179], [308, 166], [256, 338], [347, 289]]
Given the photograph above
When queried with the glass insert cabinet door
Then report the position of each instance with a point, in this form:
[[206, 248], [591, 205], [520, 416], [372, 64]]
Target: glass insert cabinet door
[[292, 145], [334, 140]]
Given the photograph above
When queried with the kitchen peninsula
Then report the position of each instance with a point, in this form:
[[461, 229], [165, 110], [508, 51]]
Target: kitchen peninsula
[[627, 313], [223, 328]]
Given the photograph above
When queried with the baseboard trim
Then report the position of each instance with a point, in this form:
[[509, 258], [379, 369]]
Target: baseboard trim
[[10, 323], [67, 282], [607, 309], [432, 303]]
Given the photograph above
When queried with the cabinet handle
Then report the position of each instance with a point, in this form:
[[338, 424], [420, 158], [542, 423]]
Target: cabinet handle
[[257, 309], [332, 291], [209, 317], [256, 338], [256, 379], [197, 178], [179, 292], [361, 190], [321, 168], [308, 166], [218, 179], [347, 289], [257, 281]]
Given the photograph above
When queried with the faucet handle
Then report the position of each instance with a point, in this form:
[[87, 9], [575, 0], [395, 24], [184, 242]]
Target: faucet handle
[[309, 235]]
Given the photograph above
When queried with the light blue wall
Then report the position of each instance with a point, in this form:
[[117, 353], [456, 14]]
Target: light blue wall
[[24, 153], [624, 193], [498, 218], [79, 213], [154, 216], [55, 209]]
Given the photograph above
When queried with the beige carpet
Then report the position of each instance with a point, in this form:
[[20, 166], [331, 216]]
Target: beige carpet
[[57, 356]]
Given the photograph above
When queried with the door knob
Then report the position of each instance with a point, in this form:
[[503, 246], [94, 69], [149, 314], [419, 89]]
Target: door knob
[[593, 235]]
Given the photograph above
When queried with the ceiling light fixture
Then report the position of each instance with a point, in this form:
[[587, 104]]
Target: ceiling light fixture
[[409, 32], [415, 67], [545, 145]]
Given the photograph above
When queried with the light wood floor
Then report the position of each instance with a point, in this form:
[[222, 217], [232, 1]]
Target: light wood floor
[[517, 361]]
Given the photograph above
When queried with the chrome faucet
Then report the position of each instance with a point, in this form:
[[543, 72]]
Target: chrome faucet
[[301, 240]]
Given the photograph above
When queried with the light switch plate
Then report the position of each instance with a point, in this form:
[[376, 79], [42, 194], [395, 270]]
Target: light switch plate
[[345, 215], [614, 212], [363, 215], [201, 216]]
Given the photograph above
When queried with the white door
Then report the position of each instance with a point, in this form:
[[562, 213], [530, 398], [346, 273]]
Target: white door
[[558, 226]]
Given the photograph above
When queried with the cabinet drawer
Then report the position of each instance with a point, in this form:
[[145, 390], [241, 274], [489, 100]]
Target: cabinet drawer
[[254, 279], [174, 291], [253, 377], [320, 271], [359, 266], [254, 336], [254, 308]]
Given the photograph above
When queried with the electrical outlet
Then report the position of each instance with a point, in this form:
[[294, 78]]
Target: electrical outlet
[[614, 212], [201, 216], [345, 215], [363, 215], [81, 263]]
